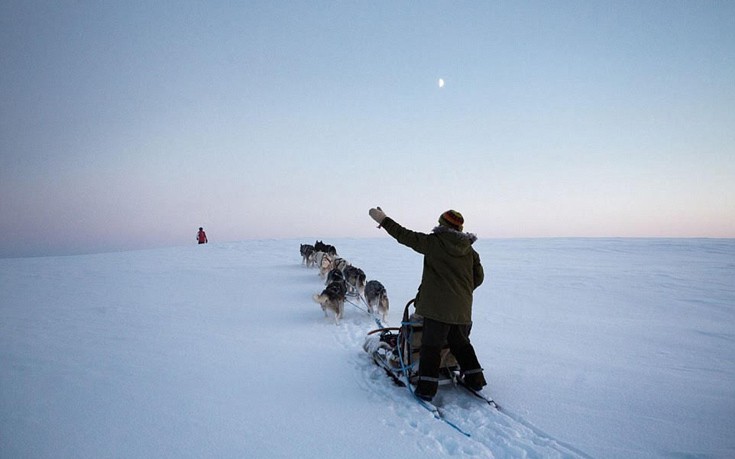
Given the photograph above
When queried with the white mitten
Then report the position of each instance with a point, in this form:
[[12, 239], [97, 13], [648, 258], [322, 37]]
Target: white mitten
[[377, 214]]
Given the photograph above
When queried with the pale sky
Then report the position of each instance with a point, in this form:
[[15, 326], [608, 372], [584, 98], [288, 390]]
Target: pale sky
[[128, 125]]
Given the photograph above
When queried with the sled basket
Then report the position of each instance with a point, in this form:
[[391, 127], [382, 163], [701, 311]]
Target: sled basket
[[397, 350]]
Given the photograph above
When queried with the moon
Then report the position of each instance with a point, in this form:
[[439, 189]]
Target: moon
[[441, 82]]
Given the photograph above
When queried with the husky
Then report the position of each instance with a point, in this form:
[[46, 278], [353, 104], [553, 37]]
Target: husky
[[340, 263], [377, 298], [332, 299], [307, 255], [355, 278], [323, 262], [335, 275], [322, 247]]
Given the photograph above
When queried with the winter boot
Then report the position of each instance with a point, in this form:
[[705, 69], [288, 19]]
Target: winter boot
[[426, 388], [474, 379], [471, 369], [428, 382]]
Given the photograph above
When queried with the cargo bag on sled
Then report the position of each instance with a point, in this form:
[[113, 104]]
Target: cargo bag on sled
[[397, 350]]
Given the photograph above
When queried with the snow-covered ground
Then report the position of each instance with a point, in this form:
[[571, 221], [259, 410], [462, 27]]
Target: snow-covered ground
[[617, 348]]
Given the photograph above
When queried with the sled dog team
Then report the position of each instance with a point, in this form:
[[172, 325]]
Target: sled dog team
[[342, 279]]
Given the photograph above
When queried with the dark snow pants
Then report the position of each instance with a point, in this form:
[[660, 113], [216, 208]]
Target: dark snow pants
[[434, 337]]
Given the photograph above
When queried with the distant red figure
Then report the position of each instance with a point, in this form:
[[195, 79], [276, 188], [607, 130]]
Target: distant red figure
[[202, 236]]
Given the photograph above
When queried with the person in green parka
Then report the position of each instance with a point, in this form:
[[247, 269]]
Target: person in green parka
[[452, 271]]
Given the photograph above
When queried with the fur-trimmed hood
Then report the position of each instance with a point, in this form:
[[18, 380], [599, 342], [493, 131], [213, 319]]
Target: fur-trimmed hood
[[471, 237], [456, 243]]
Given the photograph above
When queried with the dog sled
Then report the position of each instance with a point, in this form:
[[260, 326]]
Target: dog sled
[[397, 350]]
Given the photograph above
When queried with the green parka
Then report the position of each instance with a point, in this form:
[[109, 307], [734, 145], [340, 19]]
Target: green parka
[[452, 271]]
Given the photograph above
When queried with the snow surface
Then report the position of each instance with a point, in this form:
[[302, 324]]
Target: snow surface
[[618, 348]]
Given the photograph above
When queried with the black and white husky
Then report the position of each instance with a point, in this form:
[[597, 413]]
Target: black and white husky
[[340, 263], [332, 299], [355, 278], [335, 275], [307, 255], [320, 246], [377, 298]]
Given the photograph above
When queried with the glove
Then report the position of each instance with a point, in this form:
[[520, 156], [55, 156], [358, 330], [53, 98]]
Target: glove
[[378, 215]]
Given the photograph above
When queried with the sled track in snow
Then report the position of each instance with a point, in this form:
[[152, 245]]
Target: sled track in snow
[[493, 433]]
